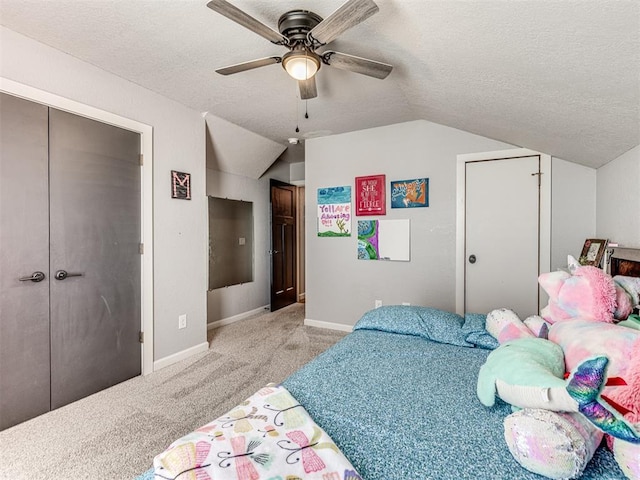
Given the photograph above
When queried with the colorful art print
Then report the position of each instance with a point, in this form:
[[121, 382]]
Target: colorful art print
[[368, 248], [334, 212], [370, 195], [180, 185], [410, 193]]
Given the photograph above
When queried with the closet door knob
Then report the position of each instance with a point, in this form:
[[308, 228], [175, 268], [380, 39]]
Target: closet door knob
[[35, 277], [62, 274], [472, 259]]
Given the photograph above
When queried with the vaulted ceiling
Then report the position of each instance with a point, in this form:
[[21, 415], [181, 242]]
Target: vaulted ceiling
[[558, 76]]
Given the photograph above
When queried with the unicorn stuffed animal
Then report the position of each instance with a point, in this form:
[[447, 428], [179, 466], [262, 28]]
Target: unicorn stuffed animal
[[554, 422]]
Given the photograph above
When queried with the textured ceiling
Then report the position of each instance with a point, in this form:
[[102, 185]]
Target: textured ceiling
[[558, 76]]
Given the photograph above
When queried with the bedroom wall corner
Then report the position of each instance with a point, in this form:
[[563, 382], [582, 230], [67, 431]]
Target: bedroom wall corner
[[573, 213], [229, 303], [617, 199]]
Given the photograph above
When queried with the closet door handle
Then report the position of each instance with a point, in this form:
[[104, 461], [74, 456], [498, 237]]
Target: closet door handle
[[35, 277], [62, 274], [472, 259]]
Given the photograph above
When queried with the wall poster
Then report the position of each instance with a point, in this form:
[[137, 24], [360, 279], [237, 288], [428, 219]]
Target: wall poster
[[410, 193], [370, 195], [334, 211]]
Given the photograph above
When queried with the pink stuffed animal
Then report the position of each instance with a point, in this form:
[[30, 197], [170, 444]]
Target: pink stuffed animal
[[583, 308], [588, 293]]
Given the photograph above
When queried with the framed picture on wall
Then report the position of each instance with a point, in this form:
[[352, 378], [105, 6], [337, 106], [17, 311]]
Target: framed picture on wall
[[370, 195], [592, 251], [180, 185]]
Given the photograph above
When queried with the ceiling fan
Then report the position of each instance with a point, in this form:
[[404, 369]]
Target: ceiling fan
[[303, 32]]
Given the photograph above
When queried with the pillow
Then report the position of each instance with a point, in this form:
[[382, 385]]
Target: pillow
[[476, 333], [424, 322], [556, 445]]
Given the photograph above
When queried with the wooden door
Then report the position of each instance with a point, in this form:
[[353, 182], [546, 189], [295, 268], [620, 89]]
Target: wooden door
[[283, 245], [502, 205]]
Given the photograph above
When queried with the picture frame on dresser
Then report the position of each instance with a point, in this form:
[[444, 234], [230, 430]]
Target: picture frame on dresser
[[593, 251]]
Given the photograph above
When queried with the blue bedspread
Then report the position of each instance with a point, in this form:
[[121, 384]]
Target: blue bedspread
[[401, 406]]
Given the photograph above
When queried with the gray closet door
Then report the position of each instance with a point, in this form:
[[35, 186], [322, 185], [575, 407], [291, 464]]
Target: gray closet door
[[24, 250], [95, 236], [502, 235]]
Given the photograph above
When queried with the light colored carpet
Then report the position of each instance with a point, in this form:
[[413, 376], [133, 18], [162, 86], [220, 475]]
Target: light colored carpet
[[116, 433]]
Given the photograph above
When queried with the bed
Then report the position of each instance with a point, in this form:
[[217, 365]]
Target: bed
[[398, 398]]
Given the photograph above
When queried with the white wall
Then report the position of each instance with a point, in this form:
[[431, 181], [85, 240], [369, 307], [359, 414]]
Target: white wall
[[573, 210], [297, 173], [180, 237], [618, 201], [223, 303], [340, 288]]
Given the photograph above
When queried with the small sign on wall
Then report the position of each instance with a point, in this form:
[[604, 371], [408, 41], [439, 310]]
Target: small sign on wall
[[180, 185], [370, 195]]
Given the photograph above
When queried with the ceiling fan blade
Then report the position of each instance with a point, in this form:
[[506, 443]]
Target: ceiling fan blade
[[355, 64], [234, 13], [308, 88], [348, 15], [241, 67]]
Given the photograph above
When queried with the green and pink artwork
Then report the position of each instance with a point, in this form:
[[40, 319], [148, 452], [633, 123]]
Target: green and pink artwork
[[334, 211], [410, 193], [368, 240]]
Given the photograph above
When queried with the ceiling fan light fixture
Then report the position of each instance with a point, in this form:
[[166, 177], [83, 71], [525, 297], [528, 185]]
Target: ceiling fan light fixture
[[301, 64]]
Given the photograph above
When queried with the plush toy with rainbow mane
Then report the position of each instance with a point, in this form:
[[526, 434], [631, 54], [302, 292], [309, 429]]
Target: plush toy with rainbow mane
[[560, 421]]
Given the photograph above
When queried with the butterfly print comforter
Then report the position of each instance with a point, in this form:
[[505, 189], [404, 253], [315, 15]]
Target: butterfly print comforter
[[268, 436]]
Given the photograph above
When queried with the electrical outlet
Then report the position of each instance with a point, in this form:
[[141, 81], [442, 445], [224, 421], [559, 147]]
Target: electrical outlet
[[378, 303], [182, 321]]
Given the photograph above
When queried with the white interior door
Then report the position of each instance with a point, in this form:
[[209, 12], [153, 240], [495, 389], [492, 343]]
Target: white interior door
[[502, 204]]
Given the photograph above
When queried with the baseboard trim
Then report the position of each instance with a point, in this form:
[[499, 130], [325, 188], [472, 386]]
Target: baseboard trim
[[330, 325], [301, 297], [176, 357], [236, 318]]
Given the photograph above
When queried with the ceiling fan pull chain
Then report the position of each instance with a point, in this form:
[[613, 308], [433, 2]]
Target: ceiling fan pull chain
[[297, 112]]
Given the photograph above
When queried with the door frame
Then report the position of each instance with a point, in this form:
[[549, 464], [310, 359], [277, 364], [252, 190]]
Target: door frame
[[146, 193], [301, 227], [544, 258]]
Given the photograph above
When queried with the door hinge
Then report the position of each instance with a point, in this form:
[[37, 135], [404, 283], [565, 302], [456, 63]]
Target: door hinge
[[141, 249], [141, 158], [141, 337]]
